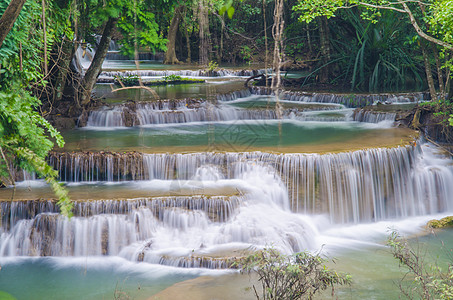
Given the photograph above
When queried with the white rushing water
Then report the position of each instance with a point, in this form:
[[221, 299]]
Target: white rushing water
[[292, 201], [182, 111], [349, 100], [250, 104]]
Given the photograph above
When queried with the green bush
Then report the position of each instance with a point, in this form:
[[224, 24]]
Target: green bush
[[296, 276], [129, 80], [172, 77], [429, 282]]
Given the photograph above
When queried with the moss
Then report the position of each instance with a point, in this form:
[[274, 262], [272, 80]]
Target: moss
[[442, 223]]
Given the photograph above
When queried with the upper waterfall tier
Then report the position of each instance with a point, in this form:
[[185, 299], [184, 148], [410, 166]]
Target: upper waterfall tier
[[189, 111], [187, 73], [349, 100]]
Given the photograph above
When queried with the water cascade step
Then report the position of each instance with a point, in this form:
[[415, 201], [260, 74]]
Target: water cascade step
[[368, 116], [360, 186], [98, 226], [348, 100], [109, 75], [185, 111], [163, 227]]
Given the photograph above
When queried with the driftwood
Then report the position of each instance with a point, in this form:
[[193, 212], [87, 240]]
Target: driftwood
[[254, 77]]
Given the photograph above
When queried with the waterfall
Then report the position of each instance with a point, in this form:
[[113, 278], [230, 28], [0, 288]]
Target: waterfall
[[185, 111], [106, 117], [368, 116], [100, 227], [348, 100], [361, 186], [189, 73], [215, 206], [148, 113], [163, 227]]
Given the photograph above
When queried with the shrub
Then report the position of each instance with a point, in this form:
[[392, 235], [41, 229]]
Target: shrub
[[296, 276], [429, 282]]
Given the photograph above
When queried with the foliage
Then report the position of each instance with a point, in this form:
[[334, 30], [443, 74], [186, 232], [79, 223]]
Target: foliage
[[383, 59], [172, 77], [312, 9], [297, 276], [441, 20], [429, 282], [246, 53], [25, 136], [128, 80], [143, 30], [23, 35], [212, 66], [227, 8], [24, 142]]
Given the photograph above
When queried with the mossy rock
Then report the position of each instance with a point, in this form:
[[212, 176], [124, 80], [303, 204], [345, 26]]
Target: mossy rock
[[442, 223]]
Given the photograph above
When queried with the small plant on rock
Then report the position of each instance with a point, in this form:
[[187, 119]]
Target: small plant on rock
[[128, 80], [212, 66], [172, 77]]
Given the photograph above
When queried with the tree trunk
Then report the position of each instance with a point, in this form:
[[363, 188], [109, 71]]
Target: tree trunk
[[189, 55], [277, 33], [203, 22], [170, 55], [266, 53], [440, 73], [429, 75], [9, 17], [222, 30], [449, 91], [325, 49], [89, 80], [63, 58]]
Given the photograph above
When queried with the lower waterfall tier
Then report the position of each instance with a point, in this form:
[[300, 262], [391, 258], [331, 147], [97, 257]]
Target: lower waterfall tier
[[212, 206]]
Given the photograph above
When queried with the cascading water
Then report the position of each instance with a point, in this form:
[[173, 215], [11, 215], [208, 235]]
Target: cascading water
[[373, 117], [206, 209], [351, 100], [142, 229], [187, 73], [193, 231], [360, 186], [184, 111]]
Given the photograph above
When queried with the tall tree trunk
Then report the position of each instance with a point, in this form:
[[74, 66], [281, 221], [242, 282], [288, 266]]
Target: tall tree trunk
[[203, 22], [440, 73], [325, 49], [266, 59], [222, 32], [186, 35], [216, 42], [277, 33], [429, 75], [189, 54], [170, 55], [9, 17], [89, 80], [449, 90], [62, 58]]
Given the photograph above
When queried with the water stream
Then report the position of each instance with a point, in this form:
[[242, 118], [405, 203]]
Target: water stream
[[168, 194]]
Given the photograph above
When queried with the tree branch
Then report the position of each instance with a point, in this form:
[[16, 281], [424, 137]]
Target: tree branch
[[420, 31]]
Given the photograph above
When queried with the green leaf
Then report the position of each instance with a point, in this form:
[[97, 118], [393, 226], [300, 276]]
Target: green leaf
[[230, 12]]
